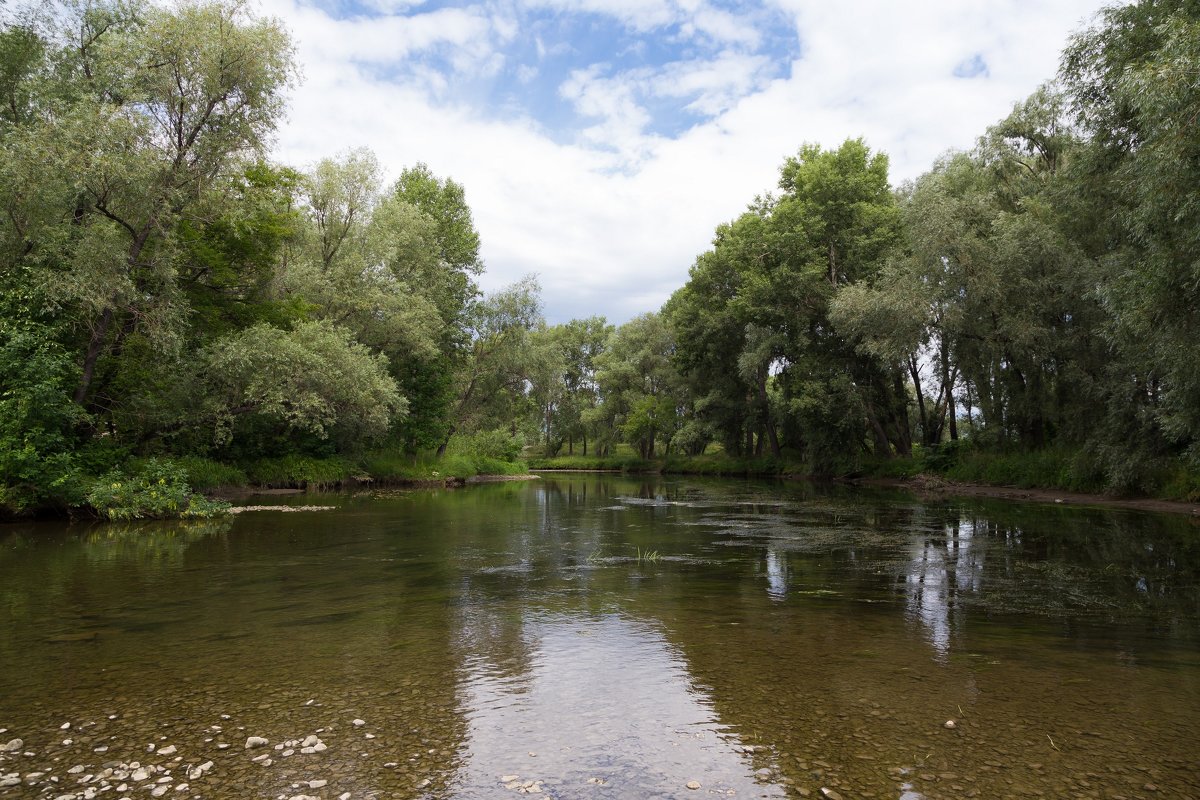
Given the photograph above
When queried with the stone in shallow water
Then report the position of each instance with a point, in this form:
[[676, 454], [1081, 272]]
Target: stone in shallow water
[[255, 741]]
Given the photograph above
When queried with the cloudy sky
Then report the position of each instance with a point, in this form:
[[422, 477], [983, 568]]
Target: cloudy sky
[[601, 141]]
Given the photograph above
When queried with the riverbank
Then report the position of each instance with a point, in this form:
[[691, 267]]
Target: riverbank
[[933, 486], [1047, 476]]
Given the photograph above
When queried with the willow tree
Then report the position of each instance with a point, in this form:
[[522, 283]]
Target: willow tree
[[1132, 79]]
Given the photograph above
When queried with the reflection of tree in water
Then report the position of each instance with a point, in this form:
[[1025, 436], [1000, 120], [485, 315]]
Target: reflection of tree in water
[[941, 569]]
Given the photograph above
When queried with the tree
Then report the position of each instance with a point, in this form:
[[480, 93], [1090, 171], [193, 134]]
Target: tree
[[638, 384], [313, 378], [494, 381], [1133, 82]]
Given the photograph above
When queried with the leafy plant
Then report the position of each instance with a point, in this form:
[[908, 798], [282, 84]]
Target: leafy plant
[[157, 490]]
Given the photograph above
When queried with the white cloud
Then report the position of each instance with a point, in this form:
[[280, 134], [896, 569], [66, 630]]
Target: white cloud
[[611, 220], [640, 15], [724, 27], [716, 84], [388, 39]]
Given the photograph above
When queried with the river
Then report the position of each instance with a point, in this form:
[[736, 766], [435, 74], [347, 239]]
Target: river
[[600, 636]]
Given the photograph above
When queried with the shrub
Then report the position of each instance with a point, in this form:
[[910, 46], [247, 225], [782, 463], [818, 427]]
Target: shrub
[[297, 470], [158, 489], [204, 473], [496, 444]]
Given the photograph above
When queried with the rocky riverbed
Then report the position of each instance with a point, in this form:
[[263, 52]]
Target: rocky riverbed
[[221, 756]]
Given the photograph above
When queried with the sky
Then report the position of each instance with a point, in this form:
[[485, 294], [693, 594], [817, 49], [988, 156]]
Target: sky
[[600, 142]]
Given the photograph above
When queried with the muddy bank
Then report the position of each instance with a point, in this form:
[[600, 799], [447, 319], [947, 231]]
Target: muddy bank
[[931, 485]]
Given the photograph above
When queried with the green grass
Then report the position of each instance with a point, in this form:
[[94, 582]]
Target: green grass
[[649, 556], [717, 464], [1043, 469], [204, 474], [390, 465], [623, 463], [1180, 483]]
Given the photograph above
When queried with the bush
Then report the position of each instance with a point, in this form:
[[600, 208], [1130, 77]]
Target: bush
[[204, 473], [301, 471], [157, 490], [499, 445]]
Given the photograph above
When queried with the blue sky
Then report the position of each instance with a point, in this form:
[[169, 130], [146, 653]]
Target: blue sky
[[601, 141]]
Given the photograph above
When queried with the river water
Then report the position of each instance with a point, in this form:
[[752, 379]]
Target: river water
[[598, 636]]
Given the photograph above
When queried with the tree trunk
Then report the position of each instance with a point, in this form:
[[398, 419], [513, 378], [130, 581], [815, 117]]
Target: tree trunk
[[764, 403], [915, 371], [94, 349], [883, 447]]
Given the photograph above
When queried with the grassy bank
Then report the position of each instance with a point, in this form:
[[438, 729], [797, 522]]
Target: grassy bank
[[1060, 469], [717, 464], [304, 472]]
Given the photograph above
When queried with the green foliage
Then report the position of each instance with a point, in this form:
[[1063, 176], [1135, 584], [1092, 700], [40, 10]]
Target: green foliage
[[155, 489], [619, 463], [204, 474], [38, 465], [313, 378], [1046, 469], [393, 466], [298, 471], [498, 444]]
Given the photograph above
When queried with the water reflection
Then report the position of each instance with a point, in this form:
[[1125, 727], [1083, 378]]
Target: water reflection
[[602, 701], [811, 638], [941, 570]]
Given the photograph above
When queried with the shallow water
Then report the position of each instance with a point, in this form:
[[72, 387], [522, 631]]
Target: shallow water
[[609, 637]]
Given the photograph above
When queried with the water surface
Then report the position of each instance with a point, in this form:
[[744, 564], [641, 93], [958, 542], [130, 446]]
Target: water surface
[[596, 636]]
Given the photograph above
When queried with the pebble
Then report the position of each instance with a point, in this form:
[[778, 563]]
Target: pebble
[[13, 746], [344, 796], [950, 724], [830, 794], [255, 741], [693, 784], [309, 740], [316, 784], [358, 723]]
